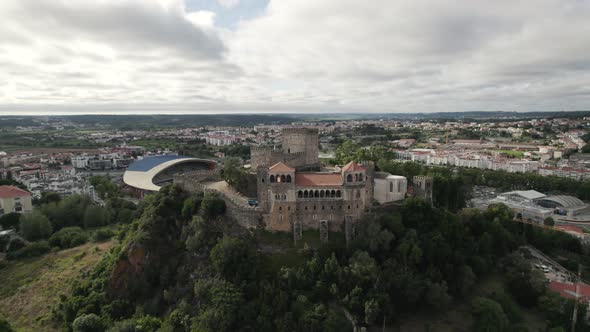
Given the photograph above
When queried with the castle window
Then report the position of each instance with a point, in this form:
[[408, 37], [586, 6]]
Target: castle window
[[349, 178], [314, 207], [288, 150], [282, 178], [322, 194], [305, 194], [306, 208], [338, 193], [349, 207], [281, 217], [323, 207], [288, 178], [356, 177], [262, 180], [300, 194], [316, 193], [284, 197], [272, 178], [333, 193], [280, 208], [288, 208]]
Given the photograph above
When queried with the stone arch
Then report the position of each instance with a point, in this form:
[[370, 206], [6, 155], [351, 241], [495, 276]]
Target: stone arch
[[283, 179], [288, 178], [338, 193], [316, 194], [349, 178], [300, 194], [272, 178], [322, 194], [305, 194]]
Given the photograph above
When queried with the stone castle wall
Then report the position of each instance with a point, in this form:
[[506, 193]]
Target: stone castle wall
[[245, 215], [266, 156]]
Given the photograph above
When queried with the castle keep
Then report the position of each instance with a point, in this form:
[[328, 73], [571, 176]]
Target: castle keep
[[299, 149]]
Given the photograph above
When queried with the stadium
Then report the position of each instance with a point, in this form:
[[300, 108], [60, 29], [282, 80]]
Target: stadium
[[149, 174]]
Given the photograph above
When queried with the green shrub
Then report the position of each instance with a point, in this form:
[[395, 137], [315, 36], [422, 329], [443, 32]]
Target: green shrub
[[88, 323], [32, 250], [102, 235], [35, 226], [5, 326], [15, 244], [127, 325], [68, 237]]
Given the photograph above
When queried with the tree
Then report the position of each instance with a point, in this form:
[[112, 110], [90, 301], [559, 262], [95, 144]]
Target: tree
[[10, 220], [220, 303], [88, 323], [95, 216], [104, 187], [49, 197], [233, 259], [212, 206], [549, 222], [347, 152], [231, 172], [524, 283], [35, 226], [488, 315]]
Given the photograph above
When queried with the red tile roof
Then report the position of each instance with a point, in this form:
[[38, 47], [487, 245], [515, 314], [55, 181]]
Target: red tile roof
[[568, 290], [570, 228], [12, 192], [352, 167], [280, 167], [318, 179]]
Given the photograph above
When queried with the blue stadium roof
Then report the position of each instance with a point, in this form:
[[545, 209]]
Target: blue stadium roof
[[148, 163]]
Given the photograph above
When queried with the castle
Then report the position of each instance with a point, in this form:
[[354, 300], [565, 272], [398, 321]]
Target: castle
[[299, 149], [295, 193]]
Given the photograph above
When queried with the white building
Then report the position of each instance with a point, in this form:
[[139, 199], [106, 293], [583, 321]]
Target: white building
[[389, 188], [79, 161]]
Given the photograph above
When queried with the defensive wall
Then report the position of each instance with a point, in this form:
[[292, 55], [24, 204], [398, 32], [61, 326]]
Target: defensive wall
[[245, 215]]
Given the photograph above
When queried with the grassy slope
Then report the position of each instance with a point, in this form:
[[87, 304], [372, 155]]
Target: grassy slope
[[30, 288]]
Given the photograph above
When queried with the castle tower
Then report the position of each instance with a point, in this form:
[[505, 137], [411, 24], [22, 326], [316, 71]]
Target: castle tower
[[423, 187], [281, 197], [302, 140]]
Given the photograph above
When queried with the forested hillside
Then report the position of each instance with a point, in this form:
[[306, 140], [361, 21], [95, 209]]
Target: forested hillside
[[183, 266]]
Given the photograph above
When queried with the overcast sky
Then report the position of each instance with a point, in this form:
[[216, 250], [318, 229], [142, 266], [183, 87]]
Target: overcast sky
[[293, 55]]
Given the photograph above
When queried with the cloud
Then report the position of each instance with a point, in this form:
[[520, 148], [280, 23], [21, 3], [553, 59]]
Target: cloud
[[229, 3], [379, 55]]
